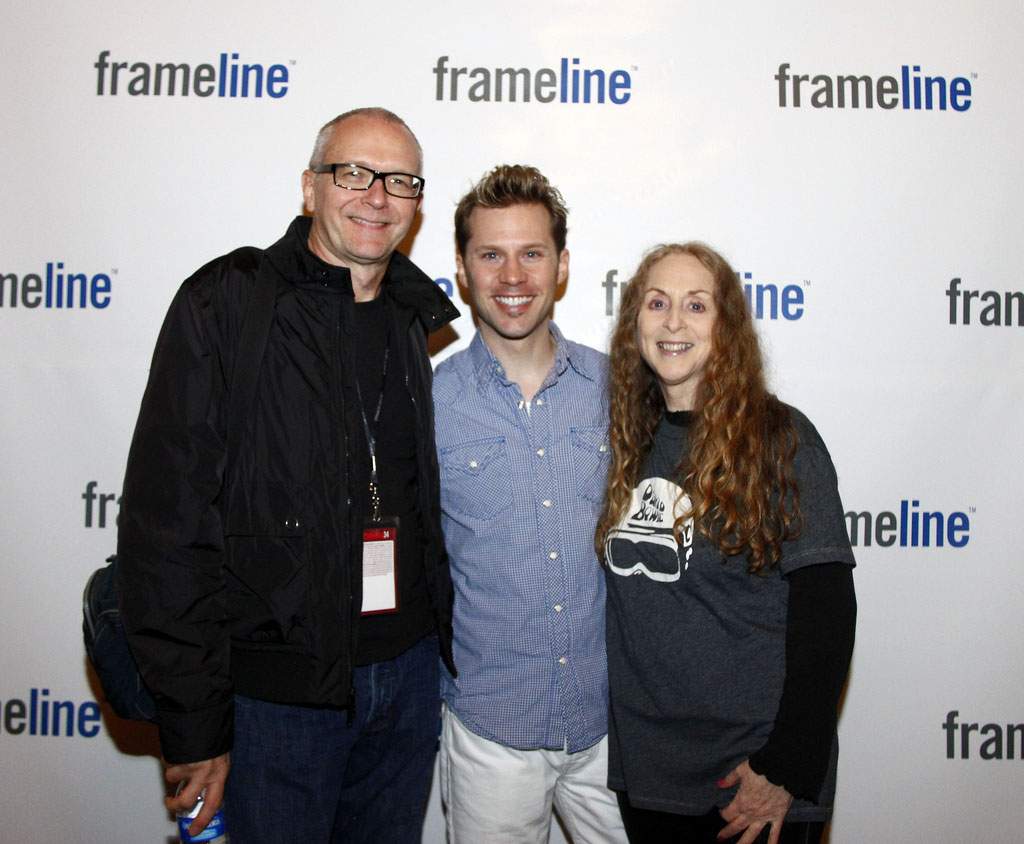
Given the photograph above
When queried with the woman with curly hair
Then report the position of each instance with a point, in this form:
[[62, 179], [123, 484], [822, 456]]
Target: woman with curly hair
[[731, 607]]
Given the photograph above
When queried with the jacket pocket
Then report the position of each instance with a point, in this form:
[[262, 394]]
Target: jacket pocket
[[590, 459], [475, 478], [270, 565], [267, 509]]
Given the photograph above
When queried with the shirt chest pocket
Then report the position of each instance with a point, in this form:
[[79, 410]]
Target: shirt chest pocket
[[590, 457], [475, 478]]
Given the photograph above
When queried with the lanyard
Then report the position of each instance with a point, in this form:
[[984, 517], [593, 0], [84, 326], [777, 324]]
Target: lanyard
[[371, 437]]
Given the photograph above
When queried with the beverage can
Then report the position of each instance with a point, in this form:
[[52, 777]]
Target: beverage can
[[216, 831]]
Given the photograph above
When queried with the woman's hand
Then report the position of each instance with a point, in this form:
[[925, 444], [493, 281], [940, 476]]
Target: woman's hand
[[757, 804]]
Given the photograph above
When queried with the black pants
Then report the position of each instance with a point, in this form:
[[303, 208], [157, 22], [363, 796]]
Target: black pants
[[646, 827]]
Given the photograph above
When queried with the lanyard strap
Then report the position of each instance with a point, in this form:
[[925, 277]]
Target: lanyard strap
[[371, 436]]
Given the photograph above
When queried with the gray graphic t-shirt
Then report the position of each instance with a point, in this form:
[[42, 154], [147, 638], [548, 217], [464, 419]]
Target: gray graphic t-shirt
[[696, 645]]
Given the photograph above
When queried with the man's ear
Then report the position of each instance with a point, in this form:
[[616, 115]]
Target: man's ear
[[460, 271], [308, 178]]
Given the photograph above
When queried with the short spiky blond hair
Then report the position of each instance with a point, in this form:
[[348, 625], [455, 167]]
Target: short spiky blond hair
[[507, 185]]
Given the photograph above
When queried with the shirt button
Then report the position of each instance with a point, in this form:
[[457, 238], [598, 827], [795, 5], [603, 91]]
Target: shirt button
[[546, 502], [540, 401], [472, 464], [540, 452], [553, 555], [603, 447], [558, 607], [562, 660]]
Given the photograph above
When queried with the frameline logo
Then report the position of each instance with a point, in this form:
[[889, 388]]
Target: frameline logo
[[993, 741], [41, 716], [766, 301], [56, 287], [102, 509], [570, 82], [995, 308], [910, 527], [910, 90], [227, 77]]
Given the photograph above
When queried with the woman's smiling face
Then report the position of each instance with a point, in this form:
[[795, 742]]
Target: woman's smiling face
[[674, 327]]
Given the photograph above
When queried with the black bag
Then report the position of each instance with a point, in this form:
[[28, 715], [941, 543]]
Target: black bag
[[107, 647], [106, 643]]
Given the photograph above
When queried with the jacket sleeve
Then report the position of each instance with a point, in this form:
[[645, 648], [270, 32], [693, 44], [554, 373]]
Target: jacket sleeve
[[170, 542]]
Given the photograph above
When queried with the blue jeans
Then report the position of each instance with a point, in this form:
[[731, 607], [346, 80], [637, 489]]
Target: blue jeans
[[305, 774]]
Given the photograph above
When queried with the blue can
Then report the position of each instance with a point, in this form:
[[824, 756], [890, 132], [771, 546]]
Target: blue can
[[216, 831]]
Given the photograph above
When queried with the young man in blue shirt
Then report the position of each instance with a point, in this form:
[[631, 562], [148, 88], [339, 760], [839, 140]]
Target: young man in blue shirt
[[521, 418]]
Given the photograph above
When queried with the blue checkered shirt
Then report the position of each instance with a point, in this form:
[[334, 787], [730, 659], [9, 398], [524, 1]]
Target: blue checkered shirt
[[521, 491]]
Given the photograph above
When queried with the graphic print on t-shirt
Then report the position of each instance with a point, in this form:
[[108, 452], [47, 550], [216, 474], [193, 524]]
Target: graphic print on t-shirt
[[643, 542]]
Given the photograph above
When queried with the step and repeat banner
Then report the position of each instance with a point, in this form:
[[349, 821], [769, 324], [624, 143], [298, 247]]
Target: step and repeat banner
[[860, 166]]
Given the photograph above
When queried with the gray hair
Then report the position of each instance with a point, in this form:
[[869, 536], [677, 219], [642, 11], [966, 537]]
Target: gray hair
[[323, 138]]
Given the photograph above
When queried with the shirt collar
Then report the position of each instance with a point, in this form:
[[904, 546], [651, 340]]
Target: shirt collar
[[489, 368]]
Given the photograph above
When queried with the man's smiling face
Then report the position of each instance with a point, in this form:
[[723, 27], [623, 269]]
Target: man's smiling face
[[512, 269], [361, 227]]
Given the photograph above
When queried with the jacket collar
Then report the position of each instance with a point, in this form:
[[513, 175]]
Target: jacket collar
[[404, 283]]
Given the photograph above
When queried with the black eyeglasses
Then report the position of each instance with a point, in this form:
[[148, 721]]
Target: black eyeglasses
[[358, 177]]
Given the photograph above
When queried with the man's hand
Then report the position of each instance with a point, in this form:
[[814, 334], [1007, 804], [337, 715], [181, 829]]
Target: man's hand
[[757, 804], [210, 774]]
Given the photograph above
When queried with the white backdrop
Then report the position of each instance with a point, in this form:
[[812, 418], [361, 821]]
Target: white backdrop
[[865, 214]]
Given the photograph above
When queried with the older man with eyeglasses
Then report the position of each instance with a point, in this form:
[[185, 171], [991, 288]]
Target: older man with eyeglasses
[[287, 605]]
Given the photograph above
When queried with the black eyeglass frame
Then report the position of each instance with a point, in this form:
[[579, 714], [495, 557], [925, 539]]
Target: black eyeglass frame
[[333, 170]]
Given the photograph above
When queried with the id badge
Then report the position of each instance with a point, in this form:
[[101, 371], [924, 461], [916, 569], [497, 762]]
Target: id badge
[[380, 564]]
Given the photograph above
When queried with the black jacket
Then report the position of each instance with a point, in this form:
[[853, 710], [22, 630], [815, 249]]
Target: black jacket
[[242, 581]]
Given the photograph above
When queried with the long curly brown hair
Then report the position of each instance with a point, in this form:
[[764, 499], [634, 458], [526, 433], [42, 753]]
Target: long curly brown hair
[[739, 469]]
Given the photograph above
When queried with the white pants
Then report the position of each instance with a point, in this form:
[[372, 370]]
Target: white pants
[[498, 795]]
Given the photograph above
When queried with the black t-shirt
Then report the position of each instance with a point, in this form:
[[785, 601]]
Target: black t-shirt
[[386, 635]]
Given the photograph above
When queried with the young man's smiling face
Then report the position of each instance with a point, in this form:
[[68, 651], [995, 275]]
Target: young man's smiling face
[[512, 269]]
